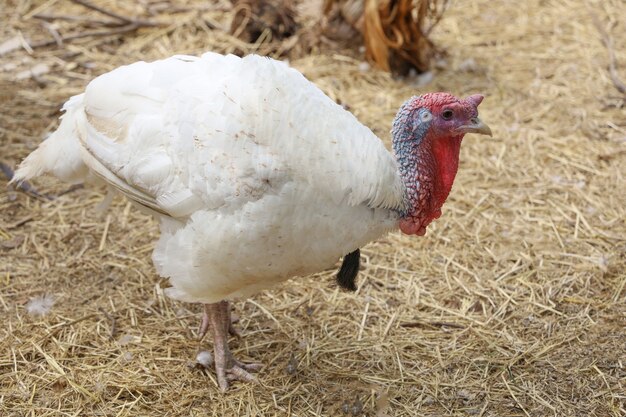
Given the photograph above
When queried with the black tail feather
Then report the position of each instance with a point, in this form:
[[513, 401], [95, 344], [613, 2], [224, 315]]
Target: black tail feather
[[349, 270]]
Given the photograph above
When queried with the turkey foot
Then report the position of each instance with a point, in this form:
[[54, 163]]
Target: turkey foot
[[217, 317]]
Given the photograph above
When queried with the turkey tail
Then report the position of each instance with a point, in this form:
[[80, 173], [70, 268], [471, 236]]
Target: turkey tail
[[60, 153], [349, 270]]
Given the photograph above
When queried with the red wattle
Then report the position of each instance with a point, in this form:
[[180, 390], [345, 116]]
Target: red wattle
[[445, 152], [411, 227]]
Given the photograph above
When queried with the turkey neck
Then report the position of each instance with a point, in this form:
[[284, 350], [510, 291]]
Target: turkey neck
[[446, 152], [427, 167]]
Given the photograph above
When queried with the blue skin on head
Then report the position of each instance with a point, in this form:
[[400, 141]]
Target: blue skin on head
[[408, 131]]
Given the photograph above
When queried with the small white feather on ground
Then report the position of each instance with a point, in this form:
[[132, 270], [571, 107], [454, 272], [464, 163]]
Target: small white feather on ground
[[204, 358], [40, 305]]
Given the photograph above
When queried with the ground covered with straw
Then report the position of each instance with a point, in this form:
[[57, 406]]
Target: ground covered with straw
[[513, 304]]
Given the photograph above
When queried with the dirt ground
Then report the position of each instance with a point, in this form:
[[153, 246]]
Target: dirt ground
[[513, 304]]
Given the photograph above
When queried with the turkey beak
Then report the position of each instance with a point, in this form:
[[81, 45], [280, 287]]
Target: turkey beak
[[476, 126]]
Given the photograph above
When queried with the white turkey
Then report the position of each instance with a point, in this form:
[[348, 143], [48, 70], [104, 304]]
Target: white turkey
[[255, 175]]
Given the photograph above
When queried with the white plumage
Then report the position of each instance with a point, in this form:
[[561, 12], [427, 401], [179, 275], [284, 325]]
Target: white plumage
[[255, 174]]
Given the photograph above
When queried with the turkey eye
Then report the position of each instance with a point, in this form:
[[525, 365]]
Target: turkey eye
[[447, 114]]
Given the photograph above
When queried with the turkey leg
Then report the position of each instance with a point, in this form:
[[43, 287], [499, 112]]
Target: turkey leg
[[204, 325], [217, 317]]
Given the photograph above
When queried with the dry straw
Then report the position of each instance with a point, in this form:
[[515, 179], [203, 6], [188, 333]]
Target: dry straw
[[512, 305]]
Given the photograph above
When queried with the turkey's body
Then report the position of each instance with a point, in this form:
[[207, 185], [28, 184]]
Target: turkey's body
[[256, 175], [217, 256]]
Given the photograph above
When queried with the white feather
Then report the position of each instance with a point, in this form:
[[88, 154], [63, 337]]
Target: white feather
[[256, 175], [60, 153], [40, 305]]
